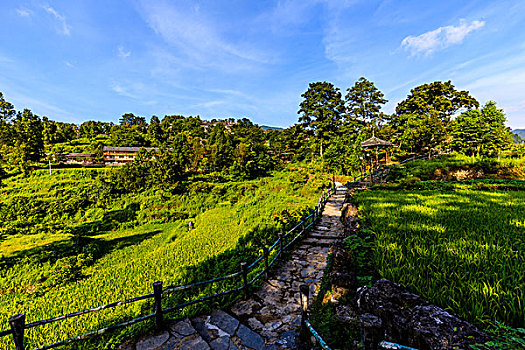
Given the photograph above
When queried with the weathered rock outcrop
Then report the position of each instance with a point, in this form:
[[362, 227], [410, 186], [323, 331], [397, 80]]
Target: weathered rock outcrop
[[342, 279], [409, 319]]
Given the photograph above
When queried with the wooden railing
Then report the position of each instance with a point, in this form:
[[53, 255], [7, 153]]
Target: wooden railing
[[269, 256], [379, 172]]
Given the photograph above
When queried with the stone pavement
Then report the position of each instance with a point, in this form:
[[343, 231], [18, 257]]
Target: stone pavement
[[271, 318]]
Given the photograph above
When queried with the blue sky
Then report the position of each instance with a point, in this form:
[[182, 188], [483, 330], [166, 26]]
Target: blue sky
[[96, 60]]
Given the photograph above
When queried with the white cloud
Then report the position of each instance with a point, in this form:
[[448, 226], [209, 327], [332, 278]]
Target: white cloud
[[440, 38], [122, 53], [200, 38], [23, 12], [65, 28], [122, 91], [209, 104]]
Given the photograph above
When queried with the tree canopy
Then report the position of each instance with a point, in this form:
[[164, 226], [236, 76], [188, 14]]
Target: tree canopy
[[363, 102], [423, 118], [321, 111], [481, 131]]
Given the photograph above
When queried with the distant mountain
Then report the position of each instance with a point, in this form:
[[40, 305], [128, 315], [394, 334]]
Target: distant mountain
[[266, 127], [519, 132], [519, 135]]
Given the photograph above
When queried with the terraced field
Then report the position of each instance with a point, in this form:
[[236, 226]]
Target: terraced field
[[110, 248]]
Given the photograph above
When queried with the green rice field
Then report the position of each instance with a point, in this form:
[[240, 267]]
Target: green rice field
[[68, 244], [464, 250]]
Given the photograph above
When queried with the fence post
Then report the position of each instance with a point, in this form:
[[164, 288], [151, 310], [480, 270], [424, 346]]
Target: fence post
[[304, 295], [303, 218], [265, 252], [157, 295], [17, 324], [244, 269], [280, 243]]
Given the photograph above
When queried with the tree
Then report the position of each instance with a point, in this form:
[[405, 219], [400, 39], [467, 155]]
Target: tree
[[363, 102], [481, 132], [130, 119], [49, 132], [29, 143], [7, 112], [220, 147], [344, 154], [90, 129], [155, 135], [321, 111], [250, 160], [423, 118]]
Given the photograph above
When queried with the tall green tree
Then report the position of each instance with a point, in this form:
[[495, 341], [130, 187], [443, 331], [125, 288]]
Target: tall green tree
[[363, 103], [423, 118], [7, 113], [29, 143], [481, 132], [131, 119], [221, 145], [155, 134], [321, 111]]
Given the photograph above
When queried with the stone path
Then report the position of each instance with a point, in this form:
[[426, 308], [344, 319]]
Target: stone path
[[271, 318]]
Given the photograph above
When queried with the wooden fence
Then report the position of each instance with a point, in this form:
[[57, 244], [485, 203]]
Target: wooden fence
[[379, 172], [18, 326]]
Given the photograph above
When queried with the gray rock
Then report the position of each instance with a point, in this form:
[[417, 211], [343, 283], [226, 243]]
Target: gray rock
[[225, 322], [255, 323], [287, 319], [153, 342], [245, 307], [409, 319], [249, 338], [271, 326], [345, 313], [171, 344], [276, 283], [194, 344], [288, 340], [183, 328], [223, 343]]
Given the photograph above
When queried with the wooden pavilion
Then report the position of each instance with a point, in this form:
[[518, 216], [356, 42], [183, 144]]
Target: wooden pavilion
[[375, 142]]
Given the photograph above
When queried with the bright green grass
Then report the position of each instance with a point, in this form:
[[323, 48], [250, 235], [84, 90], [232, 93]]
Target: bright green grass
[[233, 221], [436, 168], [463, 250]]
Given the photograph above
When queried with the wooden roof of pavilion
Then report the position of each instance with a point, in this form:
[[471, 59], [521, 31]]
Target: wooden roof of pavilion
[[375, 142]]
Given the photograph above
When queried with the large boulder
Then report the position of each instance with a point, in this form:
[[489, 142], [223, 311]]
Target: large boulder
[[410, 320]]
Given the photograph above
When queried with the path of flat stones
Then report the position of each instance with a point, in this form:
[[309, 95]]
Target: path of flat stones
[[271, 318]]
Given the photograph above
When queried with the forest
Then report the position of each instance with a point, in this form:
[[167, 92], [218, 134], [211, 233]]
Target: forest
[[329, 130]]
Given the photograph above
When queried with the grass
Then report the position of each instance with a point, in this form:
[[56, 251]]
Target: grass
[[463, 250], [459, 167], [109, 249]]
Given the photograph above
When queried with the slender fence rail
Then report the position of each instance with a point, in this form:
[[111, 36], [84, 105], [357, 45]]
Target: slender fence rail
[[268, 258], [379, 172]]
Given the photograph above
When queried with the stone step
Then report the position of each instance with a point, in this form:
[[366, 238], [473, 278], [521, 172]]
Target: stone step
[[318, 242], [323, 236]]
